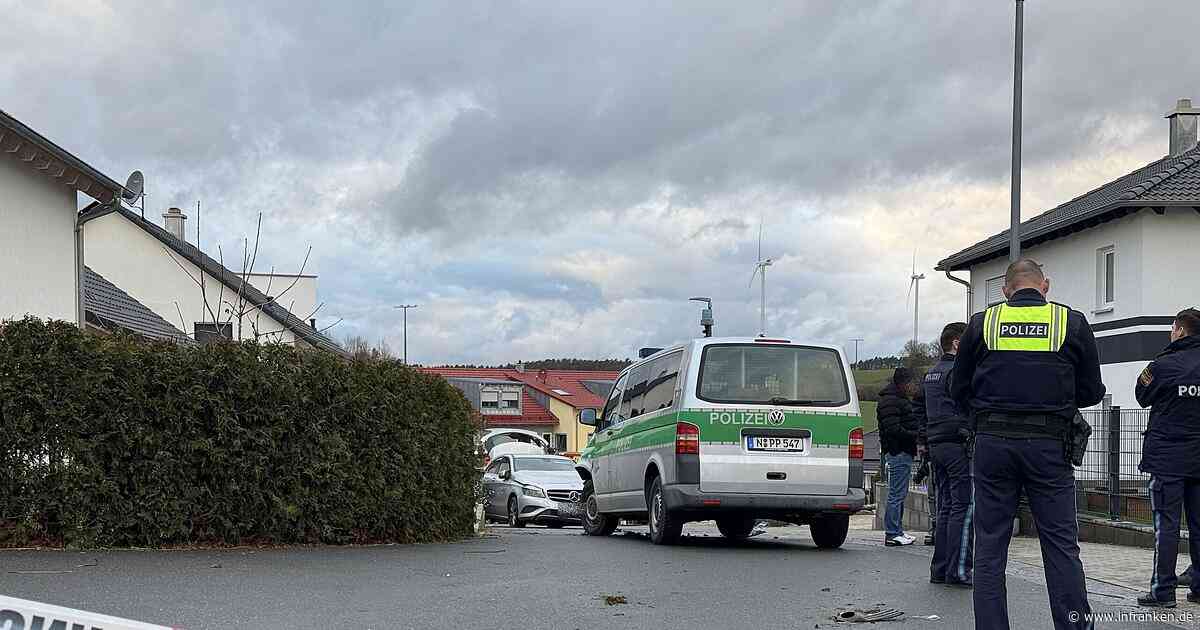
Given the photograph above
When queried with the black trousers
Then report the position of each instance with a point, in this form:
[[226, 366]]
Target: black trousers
[[1168, 497], [1003, 468], [953, 537]]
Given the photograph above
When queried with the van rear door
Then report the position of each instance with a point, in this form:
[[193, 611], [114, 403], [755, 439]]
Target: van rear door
[[779, 421]]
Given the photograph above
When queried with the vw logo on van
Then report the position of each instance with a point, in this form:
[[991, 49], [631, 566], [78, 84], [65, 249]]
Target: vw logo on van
[[775, 417]]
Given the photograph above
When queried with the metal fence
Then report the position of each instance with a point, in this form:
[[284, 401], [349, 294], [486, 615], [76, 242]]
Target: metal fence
[[1109, 482]]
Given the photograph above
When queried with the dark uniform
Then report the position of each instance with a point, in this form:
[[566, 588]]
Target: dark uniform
[[1170, 386], [944, 430], [1023, 370]]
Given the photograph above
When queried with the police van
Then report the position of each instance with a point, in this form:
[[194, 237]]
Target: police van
[[728, 429]]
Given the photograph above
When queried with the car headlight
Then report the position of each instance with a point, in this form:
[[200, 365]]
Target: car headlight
[[534, 491]]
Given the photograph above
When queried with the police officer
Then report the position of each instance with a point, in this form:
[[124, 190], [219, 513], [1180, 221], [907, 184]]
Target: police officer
[[1024, 368], [944, 431], [1170, 387]]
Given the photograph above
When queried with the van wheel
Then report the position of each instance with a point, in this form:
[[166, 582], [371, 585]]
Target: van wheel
[[514, 519], [665, 527], [736, 527], [829, 532], [595, 523]]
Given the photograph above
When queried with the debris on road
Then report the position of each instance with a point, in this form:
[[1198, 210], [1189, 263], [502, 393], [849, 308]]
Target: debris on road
[[40, 572], [869, 616], [614, 600], [760, 527]]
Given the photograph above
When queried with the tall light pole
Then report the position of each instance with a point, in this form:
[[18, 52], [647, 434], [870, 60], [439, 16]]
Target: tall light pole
[[856, 340], [405, 307], [1014, 230]]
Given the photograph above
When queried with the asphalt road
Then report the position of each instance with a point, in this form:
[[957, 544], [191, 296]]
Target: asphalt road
[[530, 578]]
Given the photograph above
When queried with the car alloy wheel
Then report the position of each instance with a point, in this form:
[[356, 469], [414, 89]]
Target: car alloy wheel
[[514, 519]]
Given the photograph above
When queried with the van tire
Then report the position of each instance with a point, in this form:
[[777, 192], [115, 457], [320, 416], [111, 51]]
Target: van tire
[[595, 523], [736, 527], [665, 527], [829, 532]]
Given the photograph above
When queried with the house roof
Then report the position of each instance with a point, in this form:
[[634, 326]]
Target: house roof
[[27, 145], [563, 385], [1170, 181], [233, 281], [108, 306], [532, 412]]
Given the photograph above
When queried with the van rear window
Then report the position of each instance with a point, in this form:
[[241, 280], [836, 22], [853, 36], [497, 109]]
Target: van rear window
[[772, 374]]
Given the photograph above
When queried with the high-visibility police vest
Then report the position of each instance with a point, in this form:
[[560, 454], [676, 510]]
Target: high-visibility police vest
[[1025, 328]]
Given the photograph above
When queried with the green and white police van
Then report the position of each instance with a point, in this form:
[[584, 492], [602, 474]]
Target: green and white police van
[[732, 430]]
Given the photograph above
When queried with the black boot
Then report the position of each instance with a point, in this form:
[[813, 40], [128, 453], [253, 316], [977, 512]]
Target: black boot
[[1150, 601]]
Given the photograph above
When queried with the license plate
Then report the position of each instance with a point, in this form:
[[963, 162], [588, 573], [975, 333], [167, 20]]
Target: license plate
[[785, 444]]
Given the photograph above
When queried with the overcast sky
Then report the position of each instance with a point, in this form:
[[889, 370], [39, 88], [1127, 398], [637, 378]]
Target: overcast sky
[[555, 179]]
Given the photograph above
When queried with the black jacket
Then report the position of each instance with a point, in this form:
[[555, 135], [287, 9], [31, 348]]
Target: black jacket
[[938, 417], [897, 426], [1018, 382], [1170, 386]]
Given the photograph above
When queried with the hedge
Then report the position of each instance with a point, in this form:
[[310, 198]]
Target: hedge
[[111, 441]]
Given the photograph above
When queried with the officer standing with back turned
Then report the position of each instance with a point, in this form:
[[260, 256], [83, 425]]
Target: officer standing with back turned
[[1170, 387], [1024, 368]]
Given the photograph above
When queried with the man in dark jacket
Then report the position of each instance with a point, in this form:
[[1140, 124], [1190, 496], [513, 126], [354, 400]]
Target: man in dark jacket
[[1170, 387], [898, 442], [943, 430]]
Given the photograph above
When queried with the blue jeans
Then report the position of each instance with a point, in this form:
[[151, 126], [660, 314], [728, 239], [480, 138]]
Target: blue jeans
[[899, 471]]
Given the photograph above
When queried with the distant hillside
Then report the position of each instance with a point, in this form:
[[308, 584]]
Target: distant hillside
[[574, 365]]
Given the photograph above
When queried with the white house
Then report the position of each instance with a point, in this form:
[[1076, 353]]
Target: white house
[[158, 267], [41, 272], [1123, 254]]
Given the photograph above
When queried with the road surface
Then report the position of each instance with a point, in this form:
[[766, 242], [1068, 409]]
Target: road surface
[[525, 578]]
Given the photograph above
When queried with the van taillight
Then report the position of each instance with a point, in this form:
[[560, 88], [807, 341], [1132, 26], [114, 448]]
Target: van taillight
[[856, 443], [687, 439]]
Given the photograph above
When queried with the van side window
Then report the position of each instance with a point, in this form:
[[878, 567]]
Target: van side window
[[633, 399], [660, 387], [612, 411]]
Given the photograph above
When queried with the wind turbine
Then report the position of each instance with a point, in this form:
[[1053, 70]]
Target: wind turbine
[[761, 266], [914, 283]]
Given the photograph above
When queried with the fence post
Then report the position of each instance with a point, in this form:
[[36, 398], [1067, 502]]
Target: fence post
[[1114, 463]]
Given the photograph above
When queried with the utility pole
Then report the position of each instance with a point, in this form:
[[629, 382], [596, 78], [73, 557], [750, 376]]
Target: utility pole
[[405, 307], [856, 340], [1014, 230]]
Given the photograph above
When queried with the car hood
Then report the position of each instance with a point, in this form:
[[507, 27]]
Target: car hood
[[550, 479]]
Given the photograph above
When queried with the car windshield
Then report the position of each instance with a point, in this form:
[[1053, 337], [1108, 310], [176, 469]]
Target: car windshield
[[783, 375], [543, 463]]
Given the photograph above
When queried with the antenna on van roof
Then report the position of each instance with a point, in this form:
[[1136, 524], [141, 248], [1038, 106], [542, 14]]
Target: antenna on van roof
[[706, 316]]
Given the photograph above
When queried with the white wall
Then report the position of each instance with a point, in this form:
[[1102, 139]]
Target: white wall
[[1168, 274], [1071, 265], [142, 266], [300, 299], [37, 244]]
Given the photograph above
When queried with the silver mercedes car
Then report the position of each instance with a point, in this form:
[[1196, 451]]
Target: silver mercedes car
[[531, 488]]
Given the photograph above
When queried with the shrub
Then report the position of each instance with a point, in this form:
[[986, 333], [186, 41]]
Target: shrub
[[111, 441]]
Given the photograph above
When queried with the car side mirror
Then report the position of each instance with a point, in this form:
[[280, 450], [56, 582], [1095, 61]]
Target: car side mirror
[[588, 417], [506, 475]]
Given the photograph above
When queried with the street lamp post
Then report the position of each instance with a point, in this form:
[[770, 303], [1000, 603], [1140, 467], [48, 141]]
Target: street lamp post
[[856, 340], [405, 307], [1014, 231]]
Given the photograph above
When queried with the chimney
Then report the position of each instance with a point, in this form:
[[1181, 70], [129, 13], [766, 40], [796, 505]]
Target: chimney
[[1183, 126], [174, 217]]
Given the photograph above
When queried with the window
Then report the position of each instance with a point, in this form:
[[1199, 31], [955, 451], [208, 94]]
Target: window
[[612, 407], [660, 386], [762, 374], [209, 332], [489, 400], [1106, 277], [560, 442], [634, 396], [544, 463], [504, 467], [561, 392], [994, 290], [510, 400], [547, 437]]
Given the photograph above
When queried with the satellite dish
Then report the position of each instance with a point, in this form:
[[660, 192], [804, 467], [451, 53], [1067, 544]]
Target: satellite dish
[[133, 187]]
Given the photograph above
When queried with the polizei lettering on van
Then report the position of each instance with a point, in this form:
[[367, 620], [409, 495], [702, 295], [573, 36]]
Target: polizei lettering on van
[[772, 418]]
